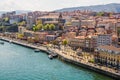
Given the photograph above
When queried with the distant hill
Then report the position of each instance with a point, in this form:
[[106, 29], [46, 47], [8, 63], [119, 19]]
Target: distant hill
[[113, 7], [17, 12], [22, 11]]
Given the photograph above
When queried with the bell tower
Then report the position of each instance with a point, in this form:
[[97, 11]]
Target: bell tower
[[60, 22]]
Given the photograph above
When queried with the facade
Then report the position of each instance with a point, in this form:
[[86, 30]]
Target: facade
[[88, 23], [75, 23], [69, 35], [77, 42], [101, 30], [83, 32], [28, 34], [90, 44], [108, 56], [104, 39], [30, 22], [50, 38], [41, 36], [86, 44], [103, 23]]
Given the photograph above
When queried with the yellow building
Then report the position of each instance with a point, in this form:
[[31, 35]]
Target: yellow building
[[108, 55]]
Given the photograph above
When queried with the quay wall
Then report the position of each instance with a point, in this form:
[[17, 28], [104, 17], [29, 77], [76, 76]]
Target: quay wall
[[25, 45], [98, 70]]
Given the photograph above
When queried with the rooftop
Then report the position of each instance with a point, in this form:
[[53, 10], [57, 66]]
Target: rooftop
[[107, 47]]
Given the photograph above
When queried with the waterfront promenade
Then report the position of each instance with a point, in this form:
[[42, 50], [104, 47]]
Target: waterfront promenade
[[69, 57]]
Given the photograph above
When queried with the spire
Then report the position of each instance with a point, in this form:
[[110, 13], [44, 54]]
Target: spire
[[60, 16]]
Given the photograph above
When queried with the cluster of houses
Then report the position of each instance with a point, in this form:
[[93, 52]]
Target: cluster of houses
[[82, 29]]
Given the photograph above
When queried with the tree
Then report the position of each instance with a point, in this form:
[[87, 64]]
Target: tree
[[51, 27], [46, 27], [65, 42], [22, 23], [118, 32], [110, 14], [91, 61], [100, 14], [4, 28], [6, 19], [55, 42], [34, 28], [39, 26], [20, 36]]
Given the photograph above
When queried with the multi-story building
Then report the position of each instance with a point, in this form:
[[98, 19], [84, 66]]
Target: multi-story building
[[90, 43], [85, 43], [50, 38], [41, 36], [30, 22], [108, 55], [104, 39], [77, 42], [88, 23]]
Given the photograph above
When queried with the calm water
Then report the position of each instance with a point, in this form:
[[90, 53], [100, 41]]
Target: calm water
[[20, 63]]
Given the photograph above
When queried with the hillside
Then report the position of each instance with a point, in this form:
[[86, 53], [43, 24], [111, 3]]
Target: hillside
[[113, 7]]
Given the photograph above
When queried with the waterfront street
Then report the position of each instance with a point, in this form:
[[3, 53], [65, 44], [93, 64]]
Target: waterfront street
[[76, 58]]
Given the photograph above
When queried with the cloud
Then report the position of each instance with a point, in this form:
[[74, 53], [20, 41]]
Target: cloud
[[48, 4]]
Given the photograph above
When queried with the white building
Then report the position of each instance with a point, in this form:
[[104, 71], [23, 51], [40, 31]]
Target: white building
[[30, 22], [104, 39], [21, 29]]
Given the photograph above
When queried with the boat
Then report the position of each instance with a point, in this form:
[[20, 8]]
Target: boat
[[37, 50], [1, 42], [50, 56], [54, 55], [10, 41]]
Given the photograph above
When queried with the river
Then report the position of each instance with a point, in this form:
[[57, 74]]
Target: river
[[21, 63]]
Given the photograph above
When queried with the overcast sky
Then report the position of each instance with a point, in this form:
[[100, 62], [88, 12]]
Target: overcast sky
[[48, 5]]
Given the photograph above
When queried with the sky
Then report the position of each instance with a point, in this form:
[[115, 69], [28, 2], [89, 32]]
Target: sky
[[48, 5]]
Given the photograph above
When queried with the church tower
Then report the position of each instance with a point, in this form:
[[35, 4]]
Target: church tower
[[60, 22]]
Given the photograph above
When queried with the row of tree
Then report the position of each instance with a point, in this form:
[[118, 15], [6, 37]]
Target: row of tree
[[38, 27]]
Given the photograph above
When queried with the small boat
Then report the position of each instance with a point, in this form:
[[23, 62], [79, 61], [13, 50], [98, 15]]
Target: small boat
[[54, 55], [1, 42], [50, 56], [10, 41], [37, 50]]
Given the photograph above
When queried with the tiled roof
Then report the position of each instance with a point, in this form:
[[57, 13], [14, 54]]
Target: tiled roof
[[107, 47]]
